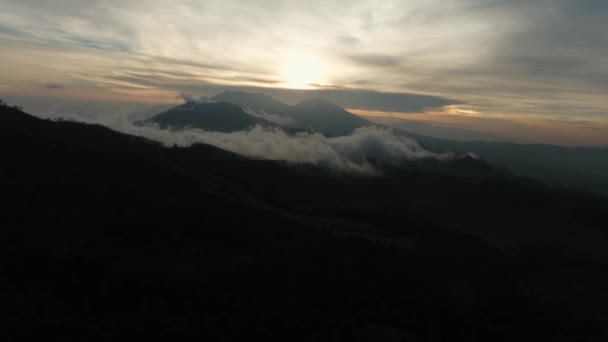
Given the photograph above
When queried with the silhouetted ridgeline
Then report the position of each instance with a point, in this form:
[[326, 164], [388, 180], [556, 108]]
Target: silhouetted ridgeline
[[107, 236]]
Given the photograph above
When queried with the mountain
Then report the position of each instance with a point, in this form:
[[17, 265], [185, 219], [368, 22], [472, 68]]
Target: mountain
[[573, 167], [220, 117], [315, 114], [326, 117], [581, 168], [442, 132], [253, 101], [106, 235]]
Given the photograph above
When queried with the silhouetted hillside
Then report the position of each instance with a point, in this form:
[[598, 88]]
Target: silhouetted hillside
[[107, 235]]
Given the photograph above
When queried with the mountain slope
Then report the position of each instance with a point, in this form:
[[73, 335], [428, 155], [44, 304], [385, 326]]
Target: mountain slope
[[107, 235], [574, 167], [580, 168], [326, 117], [318, 115], [220, 117], [253, 101]]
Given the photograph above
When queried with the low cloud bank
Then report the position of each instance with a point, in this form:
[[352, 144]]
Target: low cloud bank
[[347, 153]]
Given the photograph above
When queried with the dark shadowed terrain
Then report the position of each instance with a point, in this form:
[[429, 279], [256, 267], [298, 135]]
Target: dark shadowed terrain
[[107, 236]]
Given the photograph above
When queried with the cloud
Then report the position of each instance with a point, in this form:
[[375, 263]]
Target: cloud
[[186, 97], [347, 41], [281, 120], [366, 99], [380, 144], [349, 153], [374, 60], [54, 107], [189, 98], [53, 86], [351, 98]]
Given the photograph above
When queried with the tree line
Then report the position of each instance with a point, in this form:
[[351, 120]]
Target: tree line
[[5, 104]]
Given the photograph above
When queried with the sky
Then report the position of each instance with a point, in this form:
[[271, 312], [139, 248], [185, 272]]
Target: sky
[[513, 70]]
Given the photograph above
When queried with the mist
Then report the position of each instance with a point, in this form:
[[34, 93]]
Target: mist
[[281, 120], [350, 153]]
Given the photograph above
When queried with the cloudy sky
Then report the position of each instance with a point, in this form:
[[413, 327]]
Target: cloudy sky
[[521, 70]]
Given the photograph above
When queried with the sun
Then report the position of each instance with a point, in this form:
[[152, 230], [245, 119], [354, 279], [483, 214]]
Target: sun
[[302, 71]]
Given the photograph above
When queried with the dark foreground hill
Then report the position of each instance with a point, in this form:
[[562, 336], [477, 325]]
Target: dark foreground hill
[[109, 237]]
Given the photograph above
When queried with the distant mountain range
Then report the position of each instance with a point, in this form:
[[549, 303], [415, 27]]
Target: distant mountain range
[[582, 168], [229, 113]]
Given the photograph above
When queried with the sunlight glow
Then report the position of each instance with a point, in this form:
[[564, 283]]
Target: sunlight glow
[[302, 71]]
